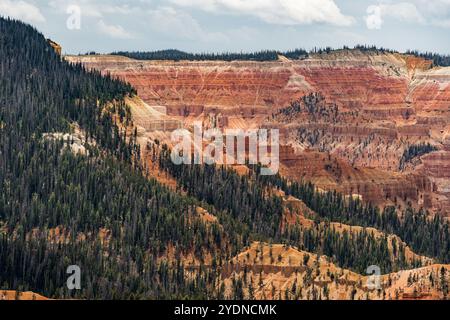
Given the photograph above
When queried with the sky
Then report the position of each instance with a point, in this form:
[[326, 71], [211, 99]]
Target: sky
[[105, 26]]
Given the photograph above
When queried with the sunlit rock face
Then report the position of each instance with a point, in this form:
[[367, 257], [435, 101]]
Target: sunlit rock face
[[385, 103]]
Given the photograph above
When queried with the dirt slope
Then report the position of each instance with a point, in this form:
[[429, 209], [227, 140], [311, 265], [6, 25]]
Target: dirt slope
[[281, 272]]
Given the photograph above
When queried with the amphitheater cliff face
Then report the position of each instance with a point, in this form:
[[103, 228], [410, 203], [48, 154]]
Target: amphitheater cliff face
[[383, 103]]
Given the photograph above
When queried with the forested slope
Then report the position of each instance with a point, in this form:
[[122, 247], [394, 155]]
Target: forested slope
[[44, 186]]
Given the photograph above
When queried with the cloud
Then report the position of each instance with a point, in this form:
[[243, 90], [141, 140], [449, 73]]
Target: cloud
[[21, 10], [113, 31], [374, 20], [437, 11], [282, 12], [94, 9], [403, 11], [425, 12], [87, 9], [173, 23], [164, 22]]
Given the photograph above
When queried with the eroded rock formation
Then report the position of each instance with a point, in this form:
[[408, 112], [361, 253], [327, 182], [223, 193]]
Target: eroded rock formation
[[383, 104]]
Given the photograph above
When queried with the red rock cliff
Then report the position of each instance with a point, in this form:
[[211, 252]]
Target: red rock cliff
[[386, 102]]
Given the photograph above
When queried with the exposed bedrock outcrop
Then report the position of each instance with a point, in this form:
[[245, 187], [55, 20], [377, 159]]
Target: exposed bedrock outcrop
[[385, 103], [375, 185]]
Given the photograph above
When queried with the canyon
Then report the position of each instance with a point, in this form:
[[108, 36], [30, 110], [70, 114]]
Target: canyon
[[346, 120], [383, 103], [89, 180]]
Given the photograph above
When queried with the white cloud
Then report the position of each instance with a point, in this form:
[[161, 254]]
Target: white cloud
[[178, 24], [403, 11], [374, 20], [87, 8], [21, 10], [426, 12], [437, 11], [164, 21], [284, 12], [94, 8], [434, 7], [113, 31]]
